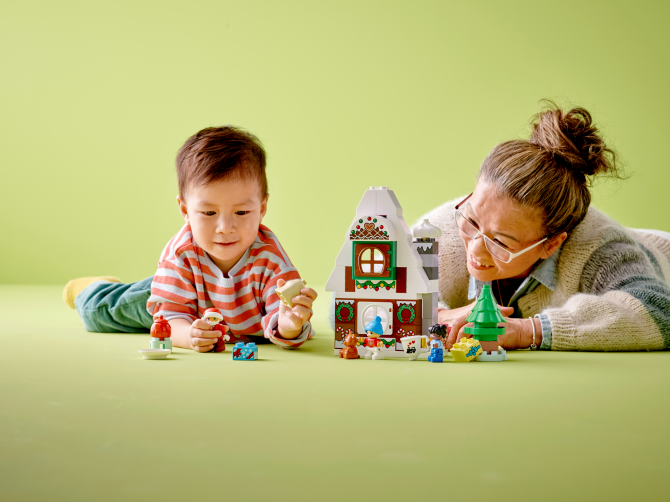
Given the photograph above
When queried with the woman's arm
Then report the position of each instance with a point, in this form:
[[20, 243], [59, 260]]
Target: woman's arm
[[624, 303]]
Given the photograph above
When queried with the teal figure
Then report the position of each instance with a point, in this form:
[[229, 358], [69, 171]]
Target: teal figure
[[375, 327]]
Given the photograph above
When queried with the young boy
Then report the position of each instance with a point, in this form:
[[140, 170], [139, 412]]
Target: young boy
[[223, 257]]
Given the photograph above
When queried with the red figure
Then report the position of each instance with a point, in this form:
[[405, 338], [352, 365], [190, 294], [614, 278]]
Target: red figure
[[349, 351], [161, 328], [220, 343], [213, 317]]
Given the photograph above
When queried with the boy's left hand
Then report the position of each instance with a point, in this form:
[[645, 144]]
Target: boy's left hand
[[291, 320]]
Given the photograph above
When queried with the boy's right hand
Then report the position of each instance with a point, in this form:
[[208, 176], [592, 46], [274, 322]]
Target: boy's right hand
[[203, 336]]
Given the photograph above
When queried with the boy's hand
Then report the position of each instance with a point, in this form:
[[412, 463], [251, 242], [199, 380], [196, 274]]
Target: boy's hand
[[291, 320], [203, 336]]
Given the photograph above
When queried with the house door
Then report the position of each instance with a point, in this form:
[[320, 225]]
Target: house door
[[367, 312]]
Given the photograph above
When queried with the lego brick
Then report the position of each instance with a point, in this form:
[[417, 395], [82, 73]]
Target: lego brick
[[411, 315], [466, 350], [161, 344], [371, 227], [432, 273], [387, 203], [368, 203], [401, 279], [341, 329], [417, 280], [501, 355], [242, 352], [349, 283], [406, 330], [386, 252], [427, 248], [429, 303], [290, 290], [436, 355], [336, 281]]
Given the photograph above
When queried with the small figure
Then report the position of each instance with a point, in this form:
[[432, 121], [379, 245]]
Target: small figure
[[160, 334], [377, 353], [248, 352], [374, 330], [436, 342], [214, 318], [349, 351]]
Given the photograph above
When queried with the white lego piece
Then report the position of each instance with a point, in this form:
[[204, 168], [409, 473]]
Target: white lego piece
[[501, 355]]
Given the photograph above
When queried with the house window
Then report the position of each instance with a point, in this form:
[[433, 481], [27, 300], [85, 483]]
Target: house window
[[375, 310], [367, 312], [372, 260]]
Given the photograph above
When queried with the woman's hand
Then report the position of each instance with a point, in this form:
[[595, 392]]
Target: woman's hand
[[291, 320], [519, 334], [456, 320], [203, 336]]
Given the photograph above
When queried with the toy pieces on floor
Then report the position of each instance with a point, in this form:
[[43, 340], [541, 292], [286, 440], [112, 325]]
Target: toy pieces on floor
[[466, 350], [486, 315], [248, 352], [289, 290], [160, 334], [349, 351]]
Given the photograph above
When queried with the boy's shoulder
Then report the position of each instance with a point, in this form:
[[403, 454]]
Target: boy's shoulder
[[181, 243], [267, 247]]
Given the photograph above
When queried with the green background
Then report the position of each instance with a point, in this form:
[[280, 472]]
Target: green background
[[97, 97]]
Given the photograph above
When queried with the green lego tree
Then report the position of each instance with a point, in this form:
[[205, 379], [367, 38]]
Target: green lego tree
[[486, 316]]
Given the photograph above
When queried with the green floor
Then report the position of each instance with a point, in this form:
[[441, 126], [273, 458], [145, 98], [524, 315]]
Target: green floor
[[84, 417]]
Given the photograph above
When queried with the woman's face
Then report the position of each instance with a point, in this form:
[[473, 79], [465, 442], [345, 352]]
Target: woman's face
[[508, 224]]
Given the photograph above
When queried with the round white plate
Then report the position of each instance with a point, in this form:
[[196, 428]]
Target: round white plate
[[154, 353]]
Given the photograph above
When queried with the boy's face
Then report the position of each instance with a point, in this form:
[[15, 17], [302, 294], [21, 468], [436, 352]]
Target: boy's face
[[224, 218]]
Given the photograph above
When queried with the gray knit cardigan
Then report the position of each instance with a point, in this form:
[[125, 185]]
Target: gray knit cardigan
[[612, 291]]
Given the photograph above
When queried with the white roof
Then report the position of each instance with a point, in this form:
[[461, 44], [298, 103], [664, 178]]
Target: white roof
[[381, 204]]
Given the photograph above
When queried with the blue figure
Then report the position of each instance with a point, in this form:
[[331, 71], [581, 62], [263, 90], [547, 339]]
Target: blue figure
[[436, 355], [436, 344], [374, 327]]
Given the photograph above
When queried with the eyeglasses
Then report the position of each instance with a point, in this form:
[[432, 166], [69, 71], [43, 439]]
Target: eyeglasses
[[497, 251]]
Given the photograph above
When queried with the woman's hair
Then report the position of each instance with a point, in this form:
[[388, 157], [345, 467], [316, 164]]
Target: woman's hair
[[552, 171]]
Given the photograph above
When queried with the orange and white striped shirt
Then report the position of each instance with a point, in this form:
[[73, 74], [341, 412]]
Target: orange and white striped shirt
[[188, 282]]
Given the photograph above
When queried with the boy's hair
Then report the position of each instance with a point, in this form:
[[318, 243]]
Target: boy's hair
[[217, 153]]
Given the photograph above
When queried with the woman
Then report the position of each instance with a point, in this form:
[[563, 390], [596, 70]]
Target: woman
[[569, 277]]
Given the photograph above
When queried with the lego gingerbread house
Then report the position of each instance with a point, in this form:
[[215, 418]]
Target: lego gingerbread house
[[383, 270]]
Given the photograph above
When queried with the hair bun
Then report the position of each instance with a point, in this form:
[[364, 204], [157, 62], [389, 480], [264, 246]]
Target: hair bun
[[572, 140]]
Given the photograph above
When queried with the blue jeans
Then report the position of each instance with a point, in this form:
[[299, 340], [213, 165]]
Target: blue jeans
[[111, 307]]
